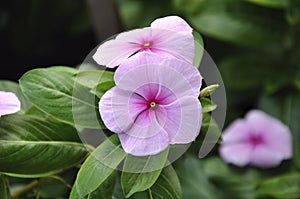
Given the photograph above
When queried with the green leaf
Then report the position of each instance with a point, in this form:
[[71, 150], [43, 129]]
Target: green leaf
[[91, 78], [207, 105], [101, 88], [234, 21], [140, 173], [38, 158], [245, 72], [4, 193], [188, 6], [167, 185], [282, 187], [99, 165], [14, 87], [53, 90], [199, 48], [105, 190], [271, 3], [32, 128], [194, 181], [210, 131]]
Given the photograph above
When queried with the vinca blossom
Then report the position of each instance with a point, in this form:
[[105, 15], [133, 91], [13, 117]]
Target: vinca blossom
[[9, 103], [167, 37], [154, 104], [259, 140]]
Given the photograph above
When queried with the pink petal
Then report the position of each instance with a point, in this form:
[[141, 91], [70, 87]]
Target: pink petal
[[184, 118], [237, 132], [178, 45], [265, 157], [157, 93], [237, 154], [131, 74], [144, 146], [9, 103], [113, 52], [106, 111], [165, 43], [173, 23], [119, 115], [275, 134]]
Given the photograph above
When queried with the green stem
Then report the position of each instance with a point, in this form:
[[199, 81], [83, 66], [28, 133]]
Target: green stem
[[26, 189], [150, 194]]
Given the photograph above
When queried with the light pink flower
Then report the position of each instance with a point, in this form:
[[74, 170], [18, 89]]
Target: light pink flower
[[154, 104], [259, 140], [9, 103], [167, 37]]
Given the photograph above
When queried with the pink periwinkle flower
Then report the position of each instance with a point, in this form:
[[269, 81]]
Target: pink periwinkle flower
[[154, 104], [259, 140], [9, 103], [167, 37]]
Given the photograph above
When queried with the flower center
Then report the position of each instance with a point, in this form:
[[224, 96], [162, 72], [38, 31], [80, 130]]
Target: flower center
[[152, 104], [147, 44], [256, 139]]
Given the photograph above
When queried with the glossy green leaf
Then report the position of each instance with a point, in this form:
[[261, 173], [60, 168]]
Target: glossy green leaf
[[282, 187], [140, 173], [33, 128], [199, 48], [207, 105], [99, 165], [234, 21], [91, 78], [39, 158], [101, 88], [10, 86], [53, 90], [271, 3], [3, 188], [167, 185], [105, 190]]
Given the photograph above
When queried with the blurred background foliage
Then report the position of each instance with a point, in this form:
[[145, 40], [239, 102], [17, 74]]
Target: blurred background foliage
[[255, 44]]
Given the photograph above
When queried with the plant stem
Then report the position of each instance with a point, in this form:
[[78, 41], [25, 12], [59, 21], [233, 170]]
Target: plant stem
[[150, 194], [25, 189]]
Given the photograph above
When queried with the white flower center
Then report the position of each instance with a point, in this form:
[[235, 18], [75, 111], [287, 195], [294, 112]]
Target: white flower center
[[152, 104], [147, 44]]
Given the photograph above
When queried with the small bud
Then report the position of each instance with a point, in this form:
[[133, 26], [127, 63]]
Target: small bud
[[207, 91]]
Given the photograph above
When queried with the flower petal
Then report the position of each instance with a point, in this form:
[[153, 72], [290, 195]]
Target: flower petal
[[147, 67], [265, 157], [106, 111], [113, 52], [162, 42], [184, 118], [237, 132], [237, 154], [144, 146], [9, 103], [122, 111], [276, 135], [173, 23], [180, 46]]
